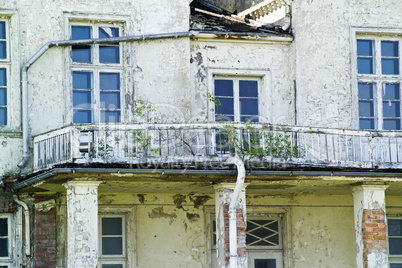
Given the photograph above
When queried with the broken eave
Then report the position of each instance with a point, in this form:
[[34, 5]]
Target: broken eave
[[244, 37]]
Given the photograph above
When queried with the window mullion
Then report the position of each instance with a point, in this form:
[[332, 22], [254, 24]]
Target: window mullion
[[379, 88], [96, 96], [236, 100], [377, 57]]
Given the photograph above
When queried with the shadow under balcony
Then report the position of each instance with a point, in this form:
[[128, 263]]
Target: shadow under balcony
[[208, 145]]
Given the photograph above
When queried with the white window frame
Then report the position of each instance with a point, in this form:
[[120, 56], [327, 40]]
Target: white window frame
[[113, 259], [393, 258], [264, 89], [96, 67], [236, 92], [7, 261], [379, 80], [5, 63]]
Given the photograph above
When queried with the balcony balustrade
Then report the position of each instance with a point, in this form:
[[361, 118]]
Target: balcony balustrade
[[264, 145]]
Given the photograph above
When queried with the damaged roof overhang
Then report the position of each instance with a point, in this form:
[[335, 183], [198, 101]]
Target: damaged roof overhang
[[206, 18], [116, 179]]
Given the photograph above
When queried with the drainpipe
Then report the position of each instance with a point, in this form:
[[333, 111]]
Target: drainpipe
[[241, 173], [27, 224], [44, 48]]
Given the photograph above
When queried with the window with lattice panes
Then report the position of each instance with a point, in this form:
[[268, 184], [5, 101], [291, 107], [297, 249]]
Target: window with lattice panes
[[5, 241], [263, 242], [395, 242], [379, 82], [4, 70], [97, 74], [112, 241]]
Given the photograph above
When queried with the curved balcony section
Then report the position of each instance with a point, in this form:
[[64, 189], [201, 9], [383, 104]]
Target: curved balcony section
[[263, 145]]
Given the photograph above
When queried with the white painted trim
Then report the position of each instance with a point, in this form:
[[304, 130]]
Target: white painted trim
[[8, 260], [265, 89], [377, 34], [96, 21], [130, 226]]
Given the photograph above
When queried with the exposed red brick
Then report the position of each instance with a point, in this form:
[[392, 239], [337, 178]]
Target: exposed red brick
[[44, 236], [374, 233]]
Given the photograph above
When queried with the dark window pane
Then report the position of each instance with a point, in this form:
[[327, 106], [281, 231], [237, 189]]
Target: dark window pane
[[82, 80], [390, 66], [389, 48], [81, 53], [395, 246], [112, 265], [81, 32], [366, 123], [224, 88], [248, 88], [3, 96], [82, 99], [3, 247], [395, 265], [391, 92], [3, 227], [365, 47], [365, 65], [226, 107], [82, 116], [3, 77], [112, 245], [366, 91], [112, 226], [108, 32], [2, 30], [391, 108], [110, 100], [366, 108], [3, 116], [248, 107], [110, 116], [392, 124], [109, 54], [109, 81], [394, 227], [3, 50], [263, 263]]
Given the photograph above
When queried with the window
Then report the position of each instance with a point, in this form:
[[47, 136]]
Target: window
[[379, 83], [112, 249], [4, 61], [237, 98], [395, 242], [263, 242], [5, 241], [96, 75]]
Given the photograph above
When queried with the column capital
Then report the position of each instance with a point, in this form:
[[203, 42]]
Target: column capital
[[369, 187]]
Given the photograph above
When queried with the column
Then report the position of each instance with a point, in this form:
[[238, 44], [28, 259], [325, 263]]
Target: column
[[82, 223], [370, 226], [223, 194]]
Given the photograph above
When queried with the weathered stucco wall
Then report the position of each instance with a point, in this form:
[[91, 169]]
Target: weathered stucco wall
[[319, 229], [323, 60], [171, 230], [243, 58]]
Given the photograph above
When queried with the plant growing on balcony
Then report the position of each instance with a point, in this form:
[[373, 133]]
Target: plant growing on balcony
[[251, 143], [141, 139]]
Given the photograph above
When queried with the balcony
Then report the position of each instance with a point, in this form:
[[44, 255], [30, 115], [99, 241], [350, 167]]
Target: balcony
[[203, 144]]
